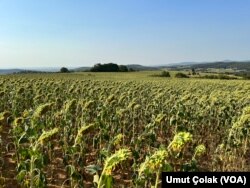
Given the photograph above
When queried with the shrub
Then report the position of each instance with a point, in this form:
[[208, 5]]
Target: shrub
[[221, 77], [181, 75], [164, 74]]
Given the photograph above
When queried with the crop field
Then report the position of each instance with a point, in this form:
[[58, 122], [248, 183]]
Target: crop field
[[119, 130]]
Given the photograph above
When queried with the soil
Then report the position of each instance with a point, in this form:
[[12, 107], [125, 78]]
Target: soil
[[8, 169], [55, 172]]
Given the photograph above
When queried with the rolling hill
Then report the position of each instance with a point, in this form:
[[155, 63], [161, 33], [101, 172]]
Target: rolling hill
[[236, 65]]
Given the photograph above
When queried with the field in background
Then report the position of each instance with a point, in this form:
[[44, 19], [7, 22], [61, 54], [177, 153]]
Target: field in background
[[119, 129], [119, 76]]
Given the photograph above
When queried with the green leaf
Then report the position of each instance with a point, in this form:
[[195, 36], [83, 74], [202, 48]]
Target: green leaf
[[167, 168], [92, 169], [21, 175]]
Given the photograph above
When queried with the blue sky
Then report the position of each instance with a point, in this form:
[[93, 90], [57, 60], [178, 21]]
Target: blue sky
[[71, 33]]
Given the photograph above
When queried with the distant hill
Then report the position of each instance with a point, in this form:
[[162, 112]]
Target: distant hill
[[244, 66], [237, 65], [81, 69], [179, 64], [30, 70], [138, 67], [135, 67], [10, 71], [45, 69]]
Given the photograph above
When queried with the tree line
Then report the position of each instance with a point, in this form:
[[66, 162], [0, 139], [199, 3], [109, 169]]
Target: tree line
[[110, 67]]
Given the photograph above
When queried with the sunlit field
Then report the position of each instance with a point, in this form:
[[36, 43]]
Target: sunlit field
[[119, 129]]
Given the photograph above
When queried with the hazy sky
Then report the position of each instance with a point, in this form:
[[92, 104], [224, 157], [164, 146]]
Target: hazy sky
[[55, 33]]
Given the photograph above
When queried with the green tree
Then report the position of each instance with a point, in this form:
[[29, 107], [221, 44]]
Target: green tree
[[165, 74], [193, 71], [109, 67], [123, 68], [64, 70], [181, 75]]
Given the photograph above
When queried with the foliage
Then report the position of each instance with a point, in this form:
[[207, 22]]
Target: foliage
[[224, 65], [244, 75], [109, 67], [219, 76], [64, 70], [165, 74], [162, 74], [181, 75], [123, 68]]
